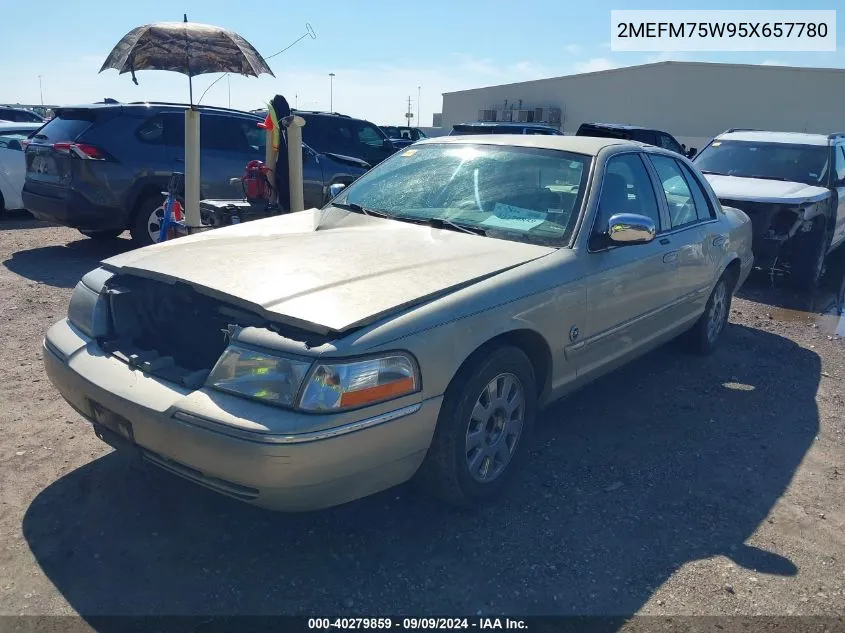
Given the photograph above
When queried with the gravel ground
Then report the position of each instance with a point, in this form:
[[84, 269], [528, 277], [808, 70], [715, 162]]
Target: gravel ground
[[677, 486]]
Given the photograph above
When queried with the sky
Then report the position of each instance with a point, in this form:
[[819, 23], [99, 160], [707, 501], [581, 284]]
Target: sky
[[381, 52]]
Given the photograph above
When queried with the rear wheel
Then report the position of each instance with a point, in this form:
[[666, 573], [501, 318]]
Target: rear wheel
[[102, 235], [147, 222], [808, 261], [704, 335], [483, 430]]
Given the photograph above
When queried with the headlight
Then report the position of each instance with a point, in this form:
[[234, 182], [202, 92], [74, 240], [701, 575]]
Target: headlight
[[326, 387], [88, 311], [352, 384], [246, 372]]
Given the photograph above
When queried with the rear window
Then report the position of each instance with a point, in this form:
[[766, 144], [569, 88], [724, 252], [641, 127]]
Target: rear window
[[602, 132], [66, 126], [471, 129]]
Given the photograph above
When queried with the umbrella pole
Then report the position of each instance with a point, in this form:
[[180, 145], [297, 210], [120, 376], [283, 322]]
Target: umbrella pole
[[192, 169]]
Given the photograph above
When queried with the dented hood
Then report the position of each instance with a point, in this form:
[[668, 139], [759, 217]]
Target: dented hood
[[762, 190], [351, 271]]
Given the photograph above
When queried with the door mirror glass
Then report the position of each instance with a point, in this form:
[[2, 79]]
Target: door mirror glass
[[692, 152], [630, 228], [335, 189]]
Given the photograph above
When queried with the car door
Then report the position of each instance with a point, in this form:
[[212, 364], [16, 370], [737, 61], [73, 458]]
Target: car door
[[839, 220], [695, 239], [12, 168], [629, 288]]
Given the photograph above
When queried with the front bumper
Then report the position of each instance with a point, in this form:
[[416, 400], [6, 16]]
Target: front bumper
[[216, 440]]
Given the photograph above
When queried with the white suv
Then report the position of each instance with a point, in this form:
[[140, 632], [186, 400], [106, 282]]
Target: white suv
[[792, 186]]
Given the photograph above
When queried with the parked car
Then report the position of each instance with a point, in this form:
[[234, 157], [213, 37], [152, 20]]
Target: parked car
[[19, 115], [12, 164], [635, 133], [792, 186], [342, 134], [480, 280], [101, 168], [486, 127], [402, 136]]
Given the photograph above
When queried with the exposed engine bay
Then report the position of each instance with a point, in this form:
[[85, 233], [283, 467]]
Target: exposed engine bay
[[778, 227], [172, 331]]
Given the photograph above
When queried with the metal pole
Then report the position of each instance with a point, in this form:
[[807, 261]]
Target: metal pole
[[41, 90], [192, 169], [331, 92], [229, 86], [294, 125], [418, 105]]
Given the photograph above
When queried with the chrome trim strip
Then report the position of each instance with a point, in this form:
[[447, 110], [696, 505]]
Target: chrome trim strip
[[645, 315], [297, 438]]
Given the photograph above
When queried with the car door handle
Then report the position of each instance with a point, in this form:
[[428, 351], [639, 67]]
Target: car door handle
[[719, 242], [670, 257]]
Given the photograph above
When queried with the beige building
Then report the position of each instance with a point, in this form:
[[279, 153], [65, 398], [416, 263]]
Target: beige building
[[694, 101]]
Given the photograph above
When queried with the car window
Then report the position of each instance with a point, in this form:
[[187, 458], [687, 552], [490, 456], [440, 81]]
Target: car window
[[678, 195], [667, 142], [518, 193], [256, 137], [67, 126], [626, 188], [152, 130], [368, 135], [703, 207], [12, 140], [222, 133], [174, 129], [840, 163], [316, 134], [807, 164]]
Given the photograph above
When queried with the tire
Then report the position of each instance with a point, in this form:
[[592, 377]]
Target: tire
[[808, 262], [703, 337], [102, 235], [142, 223], [470, 459]]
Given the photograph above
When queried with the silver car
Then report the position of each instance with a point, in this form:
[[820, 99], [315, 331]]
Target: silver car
[[410, 329]]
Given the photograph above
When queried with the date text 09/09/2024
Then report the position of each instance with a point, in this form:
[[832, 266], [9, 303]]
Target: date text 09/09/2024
[[418, 624]]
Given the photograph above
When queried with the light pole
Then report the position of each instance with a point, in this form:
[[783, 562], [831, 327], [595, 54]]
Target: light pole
[[41, 90], [418, 106], [331, 92]]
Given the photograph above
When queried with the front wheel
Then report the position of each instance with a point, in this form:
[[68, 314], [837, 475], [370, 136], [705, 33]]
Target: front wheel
[[704, 335], [483, 430], [808, 264]]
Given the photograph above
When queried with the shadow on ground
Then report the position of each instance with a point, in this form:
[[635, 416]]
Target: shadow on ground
[[827, 299], [64, 266], [21, 219], [666, 461]]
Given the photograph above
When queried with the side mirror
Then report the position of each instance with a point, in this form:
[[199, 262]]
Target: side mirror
[[388, 144], [335, 189], [630, 228], [692, 152]]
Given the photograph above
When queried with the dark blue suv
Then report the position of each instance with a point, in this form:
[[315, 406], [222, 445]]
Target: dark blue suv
[[101, 168]]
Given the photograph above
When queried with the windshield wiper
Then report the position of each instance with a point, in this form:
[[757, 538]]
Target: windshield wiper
[[713, 173], [357, 208], [443, 223], [767, 177]]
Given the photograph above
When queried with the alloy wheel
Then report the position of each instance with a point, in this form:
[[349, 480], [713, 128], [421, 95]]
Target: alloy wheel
[[154, 223], [495, 427], [718, 309]]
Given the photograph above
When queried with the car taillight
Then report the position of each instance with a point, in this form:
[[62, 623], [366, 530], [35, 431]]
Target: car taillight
[[80, 150]]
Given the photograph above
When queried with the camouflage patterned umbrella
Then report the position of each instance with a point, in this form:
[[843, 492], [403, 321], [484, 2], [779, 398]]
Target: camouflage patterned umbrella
[[185, 47]]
